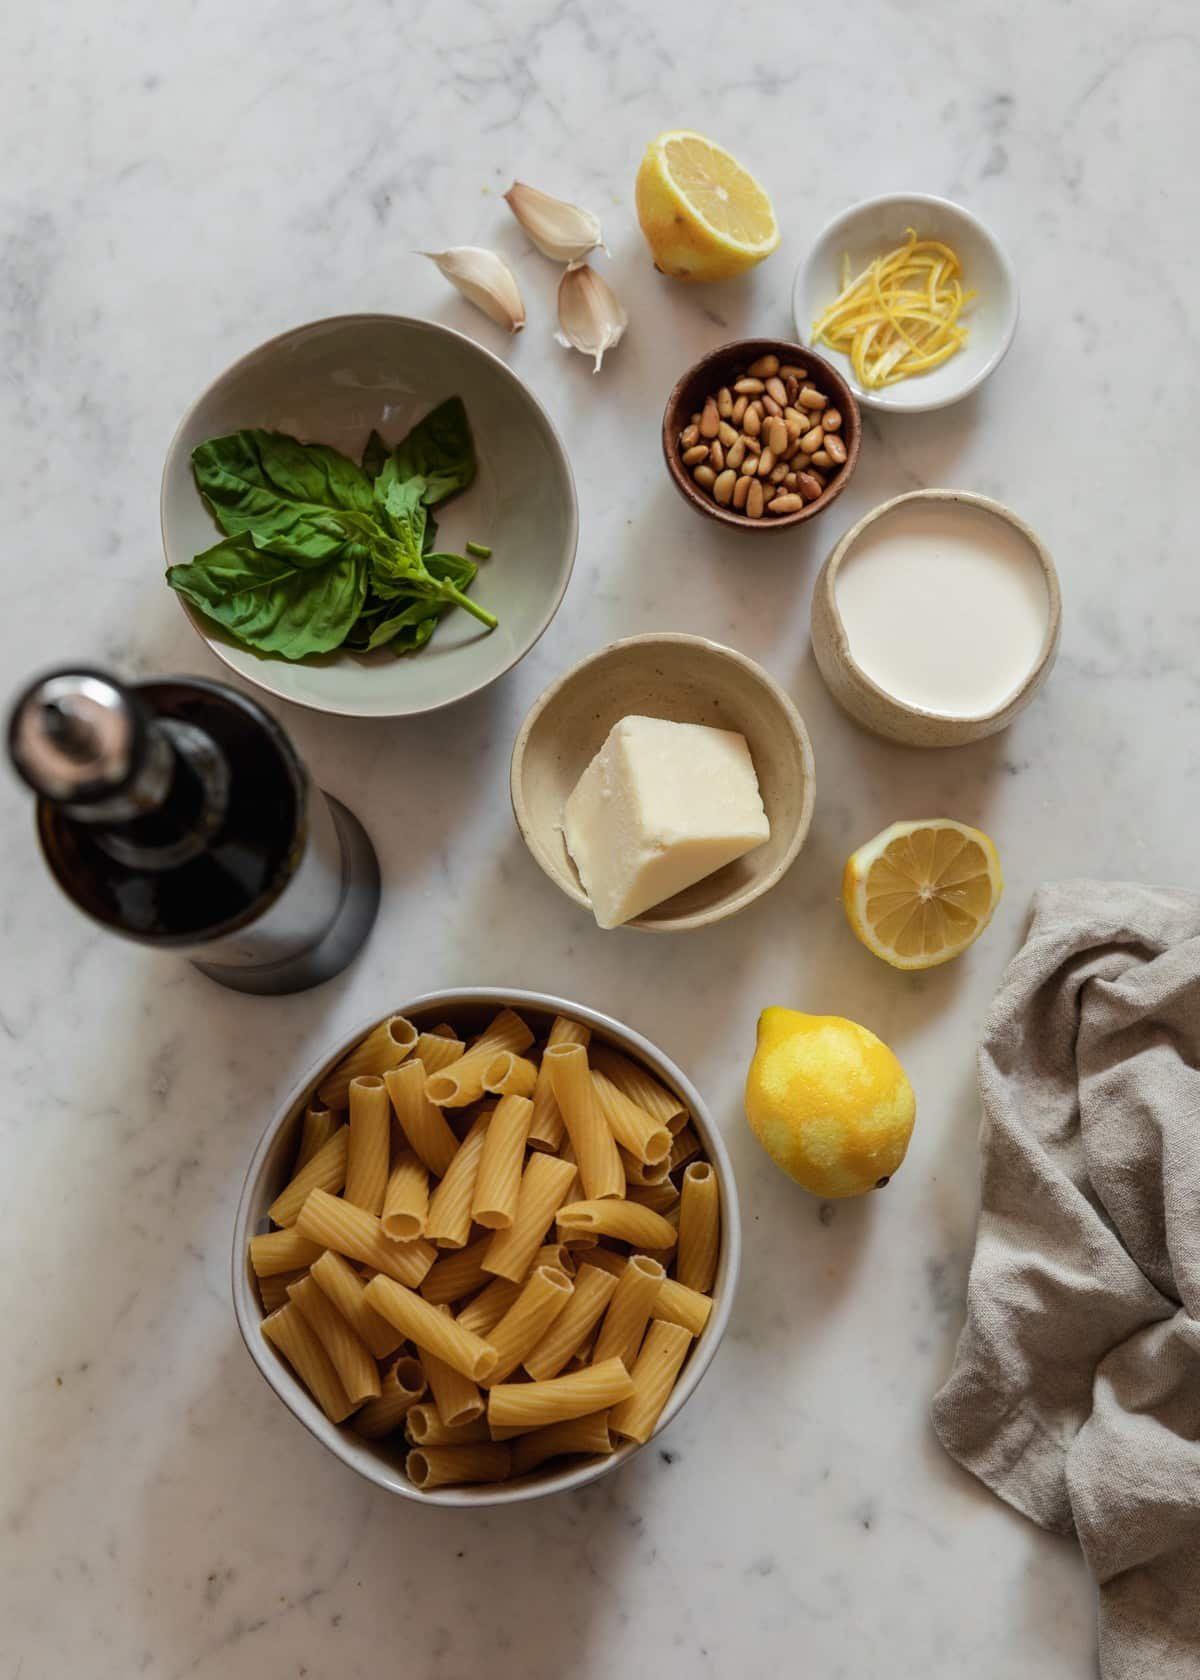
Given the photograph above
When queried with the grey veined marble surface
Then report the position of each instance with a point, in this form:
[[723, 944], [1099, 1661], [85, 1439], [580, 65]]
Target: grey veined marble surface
[[180, 182]]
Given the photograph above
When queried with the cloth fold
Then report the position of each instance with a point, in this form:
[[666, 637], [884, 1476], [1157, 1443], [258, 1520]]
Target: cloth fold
[[1075, 1389]]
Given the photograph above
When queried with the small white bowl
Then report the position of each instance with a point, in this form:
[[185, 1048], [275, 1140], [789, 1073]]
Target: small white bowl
[[877, 225], [382, 1462], [331, 382]]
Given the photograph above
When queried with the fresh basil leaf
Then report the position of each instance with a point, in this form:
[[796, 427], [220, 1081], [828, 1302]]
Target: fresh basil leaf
[[417, 612], [430, 536], [375, 455], [440, 450], [452, 568], [399, 508], [293, 496], [273, 603], [412, 617]]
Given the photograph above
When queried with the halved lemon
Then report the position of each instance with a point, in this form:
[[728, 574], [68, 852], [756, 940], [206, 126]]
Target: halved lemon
[[703, 215], [921, 892]]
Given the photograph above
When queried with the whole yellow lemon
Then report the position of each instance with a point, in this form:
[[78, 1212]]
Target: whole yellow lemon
[[829, 1102]]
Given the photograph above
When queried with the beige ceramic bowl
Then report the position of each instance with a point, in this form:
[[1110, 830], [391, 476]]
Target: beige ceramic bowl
[[883, 713], [382, 1462], [688, 680], [331, 382]]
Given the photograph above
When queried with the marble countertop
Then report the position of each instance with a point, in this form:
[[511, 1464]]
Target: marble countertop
[[183, 182]]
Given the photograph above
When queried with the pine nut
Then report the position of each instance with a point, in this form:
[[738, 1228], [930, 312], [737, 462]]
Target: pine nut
[[764, 367], [698, 452], [820, 478], [688, 436], [789, 370], [777, 389], [752, 423], [787, 504], [809, 485], [808, 398], [749, 387], [777, 436], [789, 482], [739, 410], [696, 418], [728, 434], [705, 477], [792, 450], [766, 462], [723, 486], [792, 386], [770, 406], [769, 495], [832, 420], [709, 420], [821, 458], [812, 441], [736, 453], [724, 402], [779, 473], [835, 447], [716, 455], [754, 500], [753, 446], [740, 491]]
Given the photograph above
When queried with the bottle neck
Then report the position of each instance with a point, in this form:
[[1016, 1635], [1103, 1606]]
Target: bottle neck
[[174, 807]]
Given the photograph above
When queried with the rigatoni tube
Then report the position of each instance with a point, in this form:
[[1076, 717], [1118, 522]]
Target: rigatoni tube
[[663, 1352], [515, 1407], [332, 1222], [600, 1170], [430, 1329]]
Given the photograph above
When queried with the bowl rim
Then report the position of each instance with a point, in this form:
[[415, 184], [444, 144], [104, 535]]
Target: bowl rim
[[277, 341], [879, 400], [826, 587], [752, 348], [287, 1389], [708, 647]]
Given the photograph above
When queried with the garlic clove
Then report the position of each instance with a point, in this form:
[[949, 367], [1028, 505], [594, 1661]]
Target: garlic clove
[[485, 280], [561, 231], [590, 318]]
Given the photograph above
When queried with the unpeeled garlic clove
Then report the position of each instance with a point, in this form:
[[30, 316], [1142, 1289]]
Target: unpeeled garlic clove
[[485, 280], [589, 317], [561, 231]]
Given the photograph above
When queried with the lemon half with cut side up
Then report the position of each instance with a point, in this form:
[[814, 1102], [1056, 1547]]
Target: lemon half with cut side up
[[703, 215], [919, 893]]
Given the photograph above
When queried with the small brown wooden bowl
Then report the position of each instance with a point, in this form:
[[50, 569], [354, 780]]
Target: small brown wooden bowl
[[721, 367]]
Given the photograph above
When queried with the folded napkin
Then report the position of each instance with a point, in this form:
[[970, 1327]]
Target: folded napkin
[[1075, 1391]]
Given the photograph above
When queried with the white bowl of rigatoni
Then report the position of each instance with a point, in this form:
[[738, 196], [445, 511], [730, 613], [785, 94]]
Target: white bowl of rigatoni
[[488, 1248]]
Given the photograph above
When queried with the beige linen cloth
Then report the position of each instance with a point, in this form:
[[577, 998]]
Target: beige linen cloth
[[1075, 1391]]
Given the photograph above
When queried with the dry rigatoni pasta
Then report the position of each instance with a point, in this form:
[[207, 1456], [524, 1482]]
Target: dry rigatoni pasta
[[448, 1222], [338, 1279], [663, 1352], [639, 1226], [571, 1329], [516, 1407], [400, 1388], [587, 1435], [646, 1139], [290, 1332], [317, 1127], [629, 1311], [545, 1184], [541, 1300], [332, 1222], [425, 1428], [431, 1329], [288, 1250], [406, 1199], [546, 1130], [457, 1272], [699, 1227], [370, 1143], [348, 1353], [386, 1047], [489, 1306], [431, 1467], [424, 1126], [600, 1170], [461, 1083], [325, 1169], [498, 1180], [640, 1087], [519, 1331], [510, 1075]]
